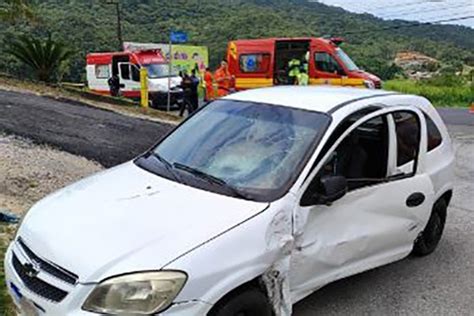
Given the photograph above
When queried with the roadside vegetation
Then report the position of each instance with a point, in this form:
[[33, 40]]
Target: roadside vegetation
[[444, 90], [6, 307]]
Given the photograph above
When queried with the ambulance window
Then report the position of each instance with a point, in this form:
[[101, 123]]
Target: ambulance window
[[102, 71], [125, 71], [325, 62], [135, 73], [254, 62]]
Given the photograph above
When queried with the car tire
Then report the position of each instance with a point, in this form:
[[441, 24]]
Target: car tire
[[429, 238], [246, 302]]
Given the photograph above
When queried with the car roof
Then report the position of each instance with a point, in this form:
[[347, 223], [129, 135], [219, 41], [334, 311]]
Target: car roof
[[324, 99]]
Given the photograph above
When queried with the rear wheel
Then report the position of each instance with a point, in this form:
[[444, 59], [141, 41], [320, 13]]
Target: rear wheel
[[428, 240], [246, 302]]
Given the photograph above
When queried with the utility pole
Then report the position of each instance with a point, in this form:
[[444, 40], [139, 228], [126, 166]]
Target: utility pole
[[119, 21]]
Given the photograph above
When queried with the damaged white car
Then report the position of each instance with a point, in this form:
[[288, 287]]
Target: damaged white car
[[247, 207]]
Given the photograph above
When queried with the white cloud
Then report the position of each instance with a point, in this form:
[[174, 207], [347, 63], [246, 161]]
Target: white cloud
[[411, 10]]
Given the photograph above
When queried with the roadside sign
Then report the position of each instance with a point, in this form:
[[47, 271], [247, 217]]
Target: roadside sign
[[178, 37]]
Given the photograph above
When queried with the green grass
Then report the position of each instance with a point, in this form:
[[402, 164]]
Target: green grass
[[449, 96], [6, 308]]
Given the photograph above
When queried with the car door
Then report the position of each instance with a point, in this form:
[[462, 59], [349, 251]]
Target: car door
[[377, 220]]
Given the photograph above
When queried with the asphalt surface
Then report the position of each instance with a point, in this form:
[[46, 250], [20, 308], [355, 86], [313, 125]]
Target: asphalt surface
[[104, 136], [439, 284]]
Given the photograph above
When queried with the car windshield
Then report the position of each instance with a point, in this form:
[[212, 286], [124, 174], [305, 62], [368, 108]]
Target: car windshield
[[350, 65], [255, 149], [158, 70]]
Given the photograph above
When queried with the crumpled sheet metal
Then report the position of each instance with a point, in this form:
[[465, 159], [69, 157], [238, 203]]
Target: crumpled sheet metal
[[280, 238]]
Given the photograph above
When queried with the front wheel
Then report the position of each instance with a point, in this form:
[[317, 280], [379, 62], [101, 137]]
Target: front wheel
[[247, 302], [429, 238]]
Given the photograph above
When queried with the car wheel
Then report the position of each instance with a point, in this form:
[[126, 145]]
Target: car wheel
[[248, 302], [429, 238]]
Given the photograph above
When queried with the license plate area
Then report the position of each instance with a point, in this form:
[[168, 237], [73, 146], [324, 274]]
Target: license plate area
[[26, 307]]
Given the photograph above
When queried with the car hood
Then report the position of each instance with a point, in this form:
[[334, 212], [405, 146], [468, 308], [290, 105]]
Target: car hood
[[126, 219]]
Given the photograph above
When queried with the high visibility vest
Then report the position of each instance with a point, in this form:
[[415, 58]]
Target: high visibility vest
[[303, 79], [294, 66]]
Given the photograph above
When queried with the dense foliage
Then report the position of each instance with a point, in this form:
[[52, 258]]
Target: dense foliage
[[43, 57], [90, 25]]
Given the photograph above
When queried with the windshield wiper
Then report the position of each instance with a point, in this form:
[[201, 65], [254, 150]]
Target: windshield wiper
[[210, 178], [169, 167]]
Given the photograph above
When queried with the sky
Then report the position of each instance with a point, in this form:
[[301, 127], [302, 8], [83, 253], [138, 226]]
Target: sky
[[412, 10]]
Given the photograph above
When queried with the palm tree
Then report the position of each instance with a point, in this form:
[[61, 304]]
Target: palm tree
[[13, 10], [43, 57]]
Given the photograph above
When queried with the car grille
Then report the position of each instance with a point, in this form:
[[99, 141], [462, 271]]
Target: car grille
[[49, 268], [36, 285]]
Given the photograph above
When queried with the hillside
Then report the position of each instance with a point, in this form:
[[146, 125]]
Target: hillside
[[90, 25]]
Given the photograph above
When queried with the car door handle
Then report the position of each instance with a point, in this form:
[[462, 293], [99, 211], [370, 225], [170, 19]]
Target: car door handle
[[415, 199]]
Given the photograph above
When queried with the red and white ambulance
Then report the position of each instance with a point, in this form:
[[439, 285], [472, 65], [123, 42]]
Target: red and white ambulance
[[125, 67]]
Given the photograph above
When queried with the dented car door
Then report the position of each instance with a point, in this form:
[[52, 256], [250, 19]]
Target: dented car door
[[387, 204]]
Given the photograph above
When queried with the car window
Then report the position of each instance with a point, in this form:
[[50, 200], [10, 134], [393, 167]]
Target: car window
[[433, 133], [135, 73], [341, 128], [407, 128], [361, 157], [257, 148], [325, 62], [254, 62]]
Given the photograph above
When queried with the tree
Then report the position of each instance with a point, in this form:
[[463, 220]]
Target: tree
[[43, 57], [14, 10]]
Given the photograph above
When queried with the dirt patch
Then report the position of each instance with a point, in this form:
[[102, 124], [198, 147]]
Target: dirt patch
[[29, 172]]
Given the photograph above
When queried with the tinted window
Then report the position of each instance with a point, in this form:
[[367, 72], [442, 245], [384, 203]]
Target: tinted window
[[434, 135], [254, 62], [408, 136], [256, 148], [125, 71], [135, 73], [325, 62]]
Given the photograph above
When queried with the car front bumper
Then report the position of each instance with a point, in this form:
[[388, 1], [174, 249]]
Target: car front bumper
[[29, 303]]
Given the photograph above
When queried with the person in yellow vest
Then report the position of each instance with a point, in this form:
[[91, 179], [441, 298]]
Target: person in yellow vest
[[293, 70], [302, 78]]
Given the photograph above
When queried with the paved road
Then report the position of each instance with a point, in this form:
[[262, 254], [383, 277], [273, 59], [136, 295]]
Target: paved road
[[440, 284], [101, 135]]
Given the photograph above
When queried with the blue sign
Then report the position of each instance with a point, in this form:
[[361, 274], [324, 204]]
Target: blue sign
[[178, 37]]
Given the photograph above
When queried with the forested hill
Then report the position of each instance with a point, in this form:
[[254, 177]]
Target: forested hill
[[90, 25]]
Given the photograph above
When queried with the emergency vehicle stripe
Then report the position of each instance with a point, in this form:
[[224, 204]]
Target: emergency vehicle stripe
[[338, 81], [253, 82]]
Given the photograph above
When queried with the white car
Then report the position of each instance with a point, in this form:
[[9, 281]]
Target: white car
[[250, 205]]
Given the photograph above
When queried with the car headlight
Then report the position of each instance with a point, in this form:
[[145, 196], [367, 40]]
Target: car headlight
[[142, 293]]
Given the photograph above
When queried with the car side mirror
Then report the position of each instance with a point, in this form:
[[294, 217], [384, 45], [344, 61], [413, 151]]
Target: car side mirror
[[327, 190], [341, 72], [332, 188]]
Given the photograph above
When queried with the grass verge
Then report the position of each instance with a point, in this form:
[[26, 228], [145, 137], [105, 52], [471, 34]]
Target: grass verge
[[446, 96], [6, 306]]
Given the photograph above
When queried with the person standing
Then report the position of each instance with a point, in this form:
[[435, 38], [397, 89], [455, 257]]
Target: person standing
[[194, 90], [223, 79], [208, 80], [293, 70], [186, 85], [114, 86], [303, 78]]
